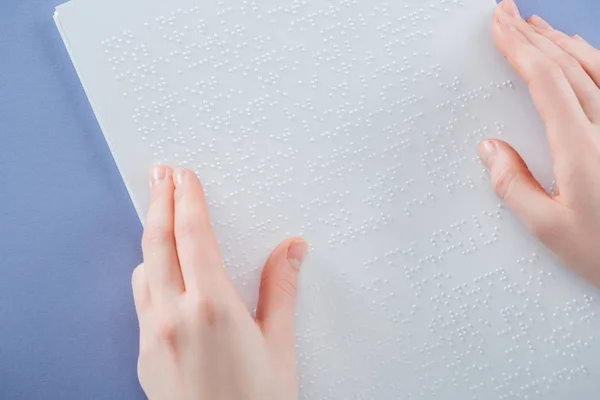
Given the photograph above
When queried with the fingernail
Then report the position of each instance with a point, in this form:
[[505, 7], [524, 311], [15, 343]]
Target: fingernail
[[507, 20], [579, 38], [180, 175], [511, 7], [538, 22], [157, 174], [487, 153], [296, 253]]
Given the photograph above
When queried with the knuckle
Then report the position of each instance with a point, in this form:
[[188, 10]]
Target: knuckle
[[285, 283], [503, 181], [140, 289], [592, 63], [544, 72], [568, 62], [137, 275], [167, 331], [142, 367], [209, 311], [562, 41], [541, 65], [552, 72], [156, 235]]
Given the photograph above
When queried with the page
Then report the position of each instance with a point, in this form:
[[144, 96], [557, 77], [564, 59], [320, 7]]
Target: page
[[354, 125]]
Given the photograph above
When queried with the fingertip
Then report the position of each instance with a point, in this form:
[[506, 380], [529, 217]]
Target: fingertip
[[513, 182], [496, 154], [158, 174], [499, 12], [160, 180], [505, 32], [187, 185], [183, 176], [278, 291], [496, 148], [280, 251], [284, 263], [510, 7], [538, 22], [487, 151], [179, 175], [296, 252]]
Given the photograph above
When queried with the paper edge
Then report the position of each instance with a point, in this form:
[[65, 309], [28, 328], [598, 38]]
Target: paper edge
[[90, 98]]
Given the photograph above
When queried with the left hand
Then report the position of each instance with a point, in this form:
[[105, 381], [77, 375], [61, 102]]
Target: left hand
[[197, 339]]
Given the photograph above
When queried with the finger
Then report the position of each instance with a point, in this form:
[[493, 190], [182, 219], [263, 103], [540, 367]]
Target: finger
[[277, 298], [517, 188], [551, 92], [158, 242], [141, 291], [196, 243], [586, 54], [584, 87]]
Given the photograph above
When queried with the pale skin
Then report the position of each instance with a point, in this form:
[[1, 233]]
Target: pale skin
[[198, 340]]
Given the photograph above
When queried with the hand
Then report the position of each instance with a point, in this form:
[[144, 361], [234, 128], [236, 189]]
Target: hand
[[197, 339], [563, 76]]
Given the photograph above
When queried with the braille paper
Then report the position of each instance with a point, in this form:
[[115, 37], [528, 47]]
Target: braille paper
[[353, 124]]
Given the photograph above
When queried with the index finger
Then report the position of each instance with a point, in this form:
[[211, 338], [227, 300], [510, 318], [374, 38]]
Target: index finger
[[158, 242], [197, 246], [550, 90]]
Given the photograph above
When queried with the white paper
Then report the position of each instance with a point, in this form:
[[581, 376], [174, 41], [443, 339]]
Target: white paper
[[355, 125]]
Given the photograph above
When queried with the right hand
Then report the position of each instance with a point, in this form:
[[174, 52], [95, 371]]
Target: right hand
[[563, 76]]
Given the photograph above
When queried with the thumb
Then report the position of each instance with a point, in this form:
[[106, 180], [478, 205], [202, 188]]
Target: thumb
[[277, 297], [515, 185]]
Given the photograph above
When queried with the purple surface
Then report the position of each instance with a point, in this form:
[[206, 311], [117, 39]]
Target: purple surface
[[69, 236]]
